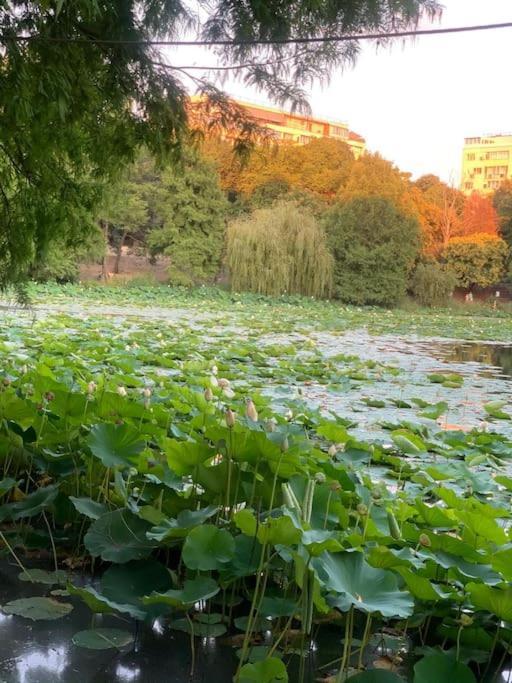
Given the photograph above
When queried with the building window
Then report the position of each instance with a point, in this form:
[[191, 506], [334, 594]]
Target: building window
[[339, 131], [471, 156], [468, 186], [496, 172], [304, 139], [505, 154], [288, 136], [494, 184], [477, 171]]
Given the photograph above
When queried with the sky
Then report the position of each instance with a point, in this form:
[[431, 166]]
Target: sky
[[417, 100]]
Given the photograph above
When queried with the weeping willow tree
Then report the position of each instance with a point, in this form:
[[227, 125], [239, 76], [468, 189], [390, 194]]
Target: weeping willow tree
[[279, 250]]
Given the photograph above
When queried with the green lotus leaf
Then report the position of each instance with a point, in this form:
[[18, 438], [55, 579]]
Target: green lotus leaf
[[207, 547], [199, 629], [194, 590], [88, 507], [494, 409], [351, 581], [103, 639], [31, 505], [270, 670], [100, 604], [497, 601], [115, 445], [442, 668], [408, 442], [44, 577], [118, 536], [38, 609], [178, 528]]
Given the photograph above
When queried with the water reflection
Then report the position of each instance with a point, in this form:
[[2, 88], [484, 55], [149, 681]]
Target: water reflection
[[39, 666], [494, 355]]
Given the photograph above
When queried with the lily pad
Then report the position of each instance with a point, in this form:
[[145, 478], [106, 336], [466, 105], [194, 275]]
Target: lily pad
[[119, 536], [38, 609], [103, 639]]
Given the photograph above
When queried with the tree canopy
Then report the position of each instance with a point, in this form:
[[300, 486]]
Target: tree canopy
[[81, 87], [477, 260], [374, 244]]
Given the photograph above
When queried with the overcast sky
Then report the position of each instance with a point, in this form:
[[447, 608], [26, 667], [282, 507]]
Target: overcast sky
[[415, 102]]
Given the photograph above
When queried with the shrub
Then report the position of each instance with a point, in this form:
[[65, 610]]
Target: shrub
[[477, 260], [431, 284], [374, 245], [279, 250]]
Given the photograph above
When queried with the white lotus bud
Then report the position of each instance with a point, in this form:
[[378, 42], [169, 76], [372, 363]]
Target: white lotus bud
[[208, 394], [24, 369], [213, 381], [250, 410], [230, 418], [332, 450], [122, 391], [271, 424], [228, 392], [91, 388], [146, 392], [215, 369], [223, 382], [289, 415]]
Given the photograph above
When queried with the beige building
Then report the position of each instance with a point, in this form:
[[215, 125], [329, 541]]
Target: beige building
[[299, 129], [486, 163]]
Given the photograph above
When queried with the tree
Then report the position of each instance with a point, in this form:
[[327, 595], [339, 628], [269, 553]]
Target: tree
[[279, 250], [477, 260], [123, 214], [190, 211], [432, 283], [321, 168], [440, 208], [374, 244], [81, 88], [373, 176], [502, 202], [479, 216]]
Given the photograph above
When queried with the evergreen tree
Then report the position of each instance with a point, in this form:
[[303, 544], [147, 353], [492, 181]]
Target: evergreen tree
[[374, 244]]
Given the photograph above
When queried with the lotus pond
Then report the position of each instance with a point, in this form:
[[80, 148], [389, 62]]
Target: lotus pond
[[202, 486]]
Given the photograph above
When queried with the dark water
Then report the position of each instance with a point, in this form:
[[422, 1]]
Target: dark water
[[494, 355], [42, 651]]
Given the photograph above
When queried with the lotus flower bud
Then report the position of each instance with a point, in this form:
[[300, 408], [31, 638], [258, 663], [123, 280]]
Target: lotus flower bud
[[465, 620], [425, 541], [230, 418], [270, 425], [228, 392], [332, 450], [122, 391], [208, 394], [289, 415], [24, 369], [285, 445], [146, 392], [214, 381], [215, 369], [91, 388], [250, 410], [223, 382]]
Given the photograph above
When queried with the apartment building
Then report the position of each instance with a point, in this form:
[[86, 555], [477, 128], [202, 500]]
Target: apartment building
[[486, 163], [299, 129]]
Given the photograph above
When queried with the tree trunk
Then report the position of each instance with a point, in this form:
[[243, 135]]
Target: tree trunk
[[119, 252], [104, 226]]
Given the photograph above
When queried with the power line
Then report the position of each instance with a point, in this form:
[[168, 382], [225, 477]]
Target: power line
[[269, 41]]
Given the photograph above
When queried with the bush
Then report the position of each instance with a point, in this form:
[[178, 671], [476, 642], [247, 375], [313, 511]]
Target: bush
[[61, 260], [374, 245], [477, 260], [280, 250], [431, 284]]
